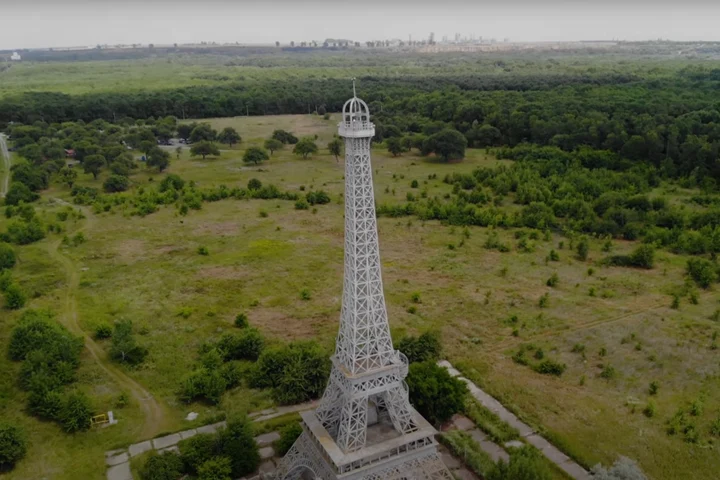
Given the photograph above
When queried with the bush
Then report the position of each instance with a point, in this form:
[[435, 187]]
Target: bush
[[525, 463], [254, 184], [103, 331], [13, 445], [544, 300], [703, 272], [583, 248], [203, 384], [171, 182], [642, 257], [650, 409], [553, 280], [15, 297], [197, 450], [550, 367], [420, 349], [236, 442], [217, 468], [75, 413], [21, 232], [7, 256], [498, 430], [241, 320], [19, 193], [124, 347], [622, 469], [203, 250], [463, 446], [116, 183], [288, 434], [244, 345], [434, 393], [317, 198], [164, 466], [301, 205], [296, 372]]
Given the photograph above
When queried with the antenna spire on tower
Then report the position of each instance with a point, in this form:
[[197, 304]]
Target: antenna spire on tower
[[354, 94]]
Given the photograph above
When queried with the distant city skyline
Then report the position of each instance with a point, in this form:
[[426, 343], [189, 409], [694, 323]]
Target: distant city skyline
[[46, 24]]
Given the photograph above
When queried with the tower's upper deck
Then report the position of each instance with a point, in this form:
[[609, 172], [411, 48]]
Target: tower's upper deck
[[356, 120]]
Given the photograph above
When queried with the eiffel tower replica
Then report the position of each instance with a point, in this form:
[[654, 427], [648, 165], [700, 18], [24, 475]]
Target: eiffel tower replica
[[365, 427]]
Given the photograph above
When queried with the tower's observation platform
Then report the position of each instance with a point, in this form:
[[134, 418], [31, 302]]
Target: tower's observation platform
[[356, 120]]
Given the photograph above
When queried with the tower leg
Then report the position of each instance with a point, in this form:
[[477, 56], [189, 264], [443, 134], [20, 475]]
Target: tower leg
[[329, 410], [398, 406], [353, 424]]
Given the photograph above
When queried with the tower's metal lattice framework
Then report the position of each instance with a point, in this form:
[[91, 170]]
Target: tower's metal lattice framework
[[365, 427]]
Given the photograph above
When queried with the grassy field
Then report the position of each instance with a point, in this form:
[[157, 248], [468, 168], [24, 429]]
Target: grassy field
[[262, 253]]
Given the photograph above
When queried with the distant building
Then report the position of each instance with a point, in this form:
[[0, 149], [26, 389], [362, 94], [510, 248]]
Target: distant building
[[15, 57]]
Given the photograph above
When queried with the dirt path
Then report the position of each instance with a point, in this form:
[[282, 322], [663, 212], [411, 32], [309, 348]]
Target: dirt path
[[156, 419], [5, 181]]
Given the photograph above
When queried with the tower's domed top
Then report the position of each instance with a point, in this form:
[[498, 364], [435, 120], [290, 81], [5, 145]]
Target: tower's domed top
[[356, 119]]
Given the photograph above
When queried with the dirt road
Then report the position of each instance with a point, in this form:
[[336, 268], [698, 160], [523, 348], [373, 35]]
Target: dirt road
[[5, 180]]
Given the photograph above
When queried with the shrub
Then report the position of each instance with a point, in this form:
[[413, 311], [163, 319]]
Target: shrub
[[217, 468], [463, 446], [21, 232], [301, 204], [317, 198], [525, 463], [654, 387], [124, 347], [434, 393], [102, 331], [305, 294], [703, 272], [5, 280], [544, 301], [553, 256], [550, 367], [244, 345], [7, 256], [583, 248], [15, 297], [241, 320], [288, 434], [13, 445], [498, 430], [75, 413], [19, 193], [414, 184], [622, 469], [197, 450], [254, 184], [116, 183], [650, 409], [164, 466], [296, 372], [203, 250], [608, 372], [642, 257], [171, 182], [420, 349], [553, 280]]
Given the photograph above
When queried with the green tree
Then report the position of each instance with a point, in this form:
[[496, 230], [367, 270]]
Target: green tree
[[158, 158], [255, 155], [7, 256], [229, 136], [448, 144], [305, 147], [33, 153], [124, 347], [394, 146], [185, 129], [335, 148], [421, 349], [15, 297], [236, 441], [285, 137], [75, 413], [19, 193], [68, 176], [93, 164], [203, 132], [434, 393], [116, 183], [273, 144], [13, 445], [204, 148], [583, 248]]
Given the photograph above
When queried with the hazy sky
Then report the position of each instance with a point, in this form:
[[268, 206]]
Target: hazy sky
[[47, 23]]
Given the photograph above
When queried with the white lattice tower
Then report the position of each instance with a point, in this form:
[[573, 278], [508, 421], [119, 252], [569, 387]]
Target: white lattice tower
[[367, 380]]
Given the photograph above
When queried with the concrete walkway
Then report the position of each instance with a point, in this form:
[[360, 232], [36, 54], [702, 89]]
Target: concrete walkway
[[553, 454], [118, 461], [5, 159]]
